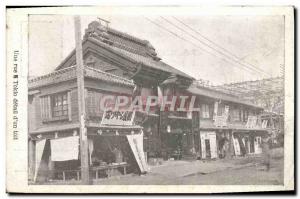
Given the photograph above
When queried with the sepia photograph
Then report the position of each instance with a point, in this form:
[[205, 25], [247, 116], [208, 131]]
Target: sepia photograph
[[162, 98]]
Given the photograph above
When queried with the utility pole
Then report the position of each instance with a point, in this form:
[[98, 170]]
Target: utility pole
[[81, 104]]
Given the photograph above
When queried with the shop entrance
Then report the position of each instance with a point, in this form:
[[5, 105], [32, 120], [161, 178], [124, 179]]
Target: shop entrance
[[207, 148]]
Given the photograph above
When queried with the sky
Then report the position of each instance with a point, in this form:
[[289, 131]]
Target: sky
[[237, 42]]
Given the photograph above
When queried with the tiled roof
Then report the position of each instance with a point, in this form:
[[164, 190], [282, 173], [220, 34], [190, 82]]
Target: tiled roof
[[211, 93], [70, 73], [209, 124], [147, 61], [127, 36], [127, 46], [98, 74], [53, 78]]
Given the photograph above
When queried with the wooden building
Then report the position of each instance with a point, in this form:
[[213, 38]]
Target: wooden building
[[226, 125], [116, 63], [267, 93]]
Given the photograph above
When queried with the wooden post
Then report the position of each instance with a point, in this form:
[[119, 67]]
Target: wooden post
[[31, 158], [81, 104]]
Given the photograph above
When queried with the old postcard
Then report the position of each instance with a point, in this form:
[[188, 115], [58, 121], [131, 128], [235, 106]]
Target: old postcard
[[150, 99]]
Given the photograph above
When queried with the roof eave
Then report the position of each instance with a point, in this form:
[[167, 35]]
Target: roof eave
[[70, 74], [237, 101], [95, 41]]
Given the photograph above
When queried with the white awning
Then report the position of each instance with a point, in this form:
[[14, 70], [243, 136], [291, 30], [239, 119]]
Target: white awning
[[64, 149]]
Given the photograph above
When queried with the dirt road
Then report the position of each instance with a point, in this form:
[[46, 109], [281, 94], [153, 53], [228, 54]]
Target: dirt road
[[237, 171]]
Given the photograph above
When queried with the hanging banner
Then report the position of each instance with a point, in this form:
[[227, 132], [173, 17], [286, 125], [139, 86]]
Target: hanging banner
[[264, 124], [226, 111], [216, 105], [203, 150], [64, 149], [251, 122], [39, 149], [91, 149], [123, 118], [236, 146], [136, 145], [257, 145], [221, 120], [208, 144]]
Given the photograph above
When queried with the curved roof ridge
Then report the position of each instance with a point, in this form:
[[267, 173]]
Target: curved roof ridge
[[128, 36]]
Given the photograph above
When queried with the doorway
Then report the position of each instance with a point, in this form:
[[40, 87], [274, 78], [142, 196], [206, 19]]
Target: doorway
[[207, 148]]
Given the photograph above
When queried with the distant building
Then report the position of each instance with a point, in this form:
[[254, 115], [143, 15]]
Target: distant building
[[267, 93]]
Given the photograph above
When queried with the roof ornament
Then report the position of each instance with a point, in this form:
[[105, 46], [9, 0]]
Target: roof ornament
[[105, 21], [98, 31]]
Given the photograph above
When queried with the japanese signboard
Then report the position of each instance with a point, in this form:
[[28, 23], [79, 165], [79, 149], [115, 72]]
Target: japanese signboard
[[123, 118], [220, 121]]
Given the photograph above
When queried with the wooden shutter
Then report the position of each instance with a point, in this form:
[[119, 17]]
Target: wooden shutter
[[205, 110], [45, 106], [91, 103], [42, 107], [97, 99], [49, 107], [69, 105]]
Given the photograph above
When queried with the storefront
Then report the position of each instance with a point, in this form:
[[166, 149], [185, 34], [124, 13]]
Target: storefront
[[112, 150], [115, 147], [247, 142], [177, 137]]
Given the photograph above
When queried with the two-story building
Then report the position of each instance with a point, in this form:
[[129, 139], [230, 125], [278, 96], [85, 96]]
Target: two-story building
[[115, 64], [225, 125], [118, 64]]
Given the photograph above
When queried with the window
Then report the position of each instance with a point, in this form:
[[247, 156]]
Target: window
[[221, 109], [246, 113], [60, 105], [235, 115], [55, 107], [205, 111]]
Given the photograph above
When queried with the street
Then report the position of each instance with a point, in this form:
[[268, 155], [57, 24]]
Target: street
[[236, 171]]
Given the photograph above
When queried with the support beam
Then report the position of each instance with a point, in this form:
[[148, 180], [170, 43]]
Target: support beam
[[31, 159], [81, 105]]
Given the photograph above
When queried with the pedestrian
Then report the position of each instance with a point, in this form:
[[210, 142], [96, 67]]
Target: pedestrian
[[266, 151]]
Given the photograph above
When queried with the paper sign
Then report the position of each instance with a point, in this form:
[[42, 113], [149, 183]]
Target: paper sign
[[124, 118]]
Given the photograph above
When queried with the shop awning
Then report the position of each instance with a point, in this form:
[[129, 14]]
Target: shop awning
[[55, 128], [64, 149], [179, 118]]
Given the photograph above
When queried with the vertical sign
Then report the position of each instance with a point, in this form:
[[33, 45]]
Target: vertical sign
[[216, 105], [226, 111]]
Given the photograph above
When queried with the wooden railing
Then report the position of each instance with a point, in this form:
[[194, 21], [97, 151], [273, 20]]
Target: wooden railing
[[52, 78], [70, 73]]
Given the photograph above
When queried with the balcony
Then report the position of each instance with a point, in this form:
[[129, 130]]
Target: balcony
[[53, 78]]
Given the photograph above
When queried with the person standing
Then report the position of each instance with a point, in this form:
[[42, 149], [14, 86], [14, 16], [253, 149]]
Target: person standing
[[266, 151]]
